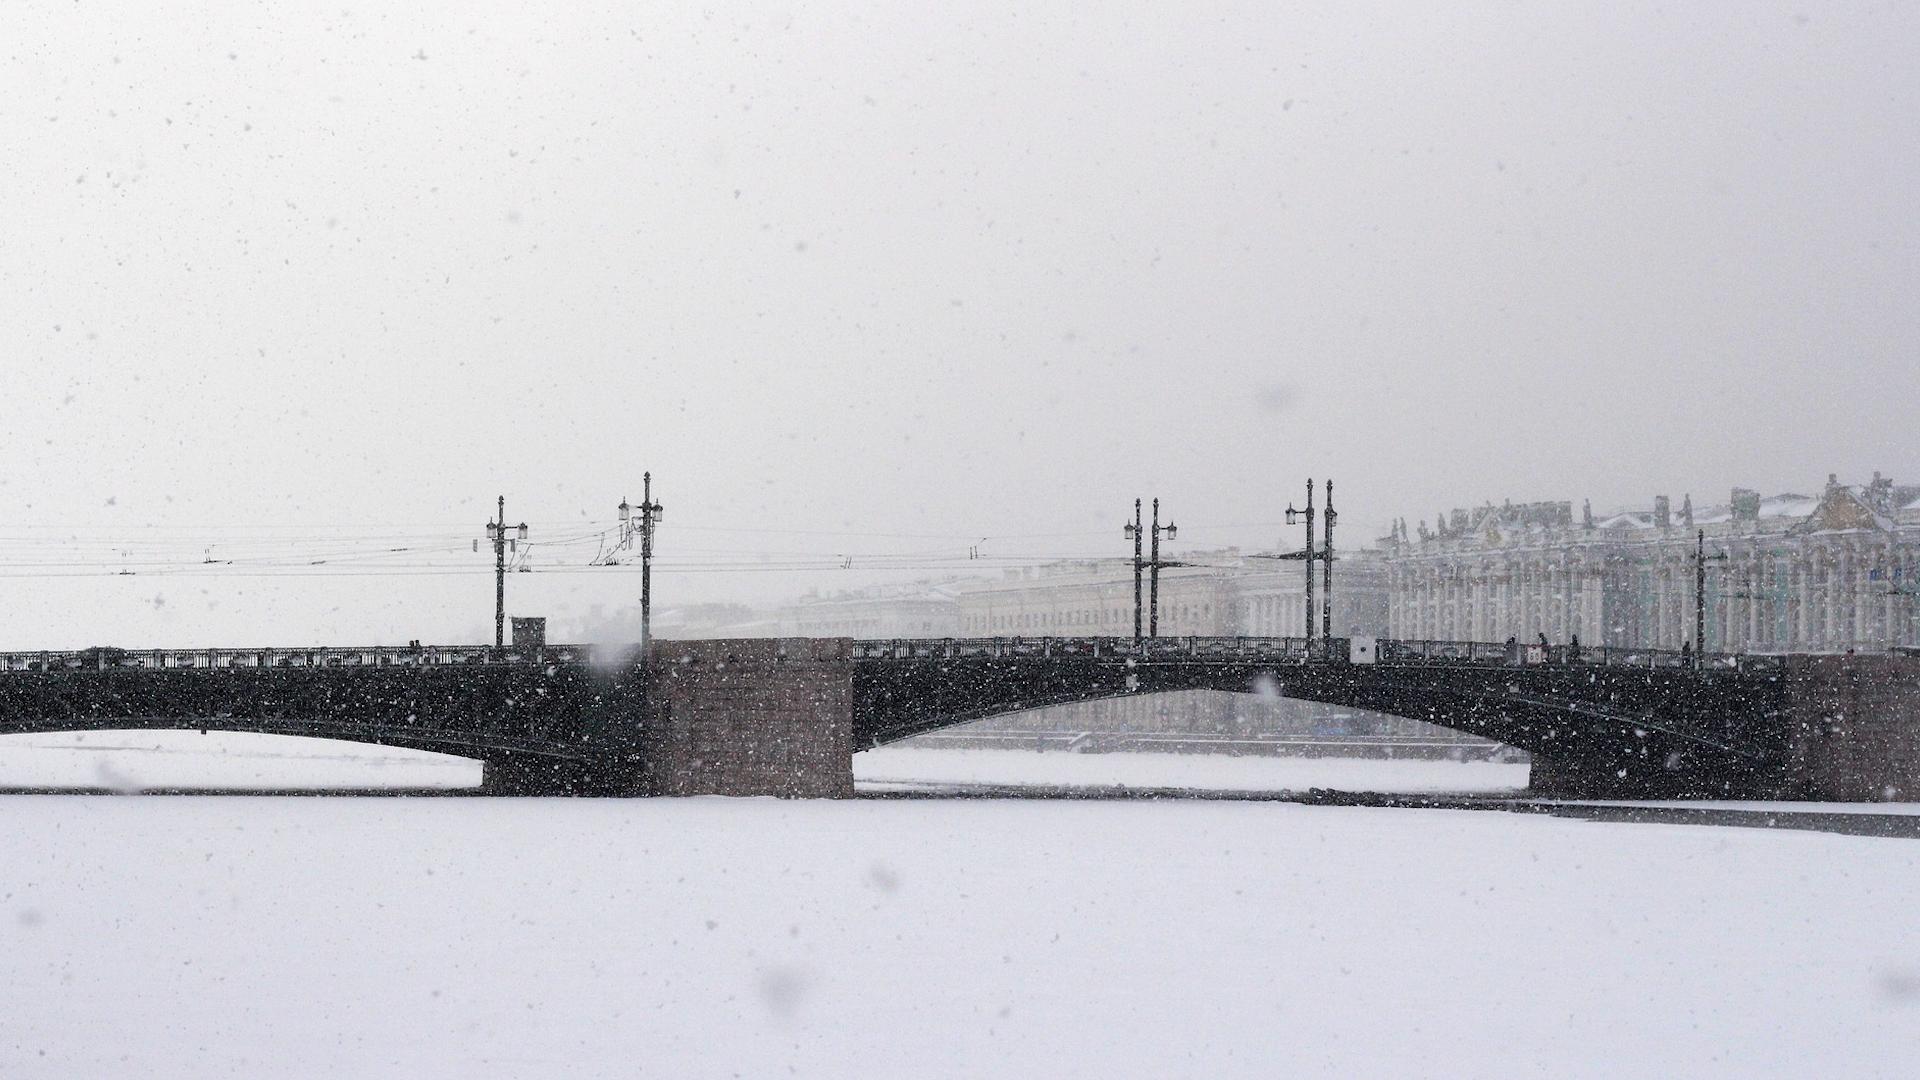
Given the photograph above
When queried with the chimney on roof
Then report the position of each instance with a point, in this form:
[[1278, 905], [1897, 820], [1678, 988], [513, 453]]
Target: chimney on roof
[[1880, 493], [1746, 504], [1662, 511], [1833, 481], [1686, 511], [1586, 513]]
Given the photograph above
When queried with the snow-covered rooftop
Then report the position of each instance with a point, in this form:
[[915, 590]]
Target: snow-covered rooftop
[[1877, 504]]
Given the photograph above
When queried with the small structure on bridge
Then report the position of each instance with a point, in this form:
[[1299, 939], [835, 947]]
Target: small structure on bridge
[[529, 633]]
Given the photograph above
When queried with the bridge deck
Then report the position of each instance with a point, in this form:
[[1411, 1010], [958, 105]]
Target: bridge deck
[[1166, 649], [107, 658], [1265, 650]]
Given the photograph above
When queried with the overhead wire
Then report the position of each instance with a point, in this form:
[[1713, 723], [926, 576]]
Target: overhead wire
[[257, 550]]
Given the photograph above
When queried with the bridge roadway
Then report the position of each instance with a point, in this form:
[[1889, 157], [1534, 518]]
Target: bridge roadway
[[573, 718]]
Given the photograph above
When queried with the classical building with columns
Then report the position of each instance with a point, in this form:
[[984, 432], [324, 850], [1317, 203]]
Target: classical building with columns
[[1804, 573]]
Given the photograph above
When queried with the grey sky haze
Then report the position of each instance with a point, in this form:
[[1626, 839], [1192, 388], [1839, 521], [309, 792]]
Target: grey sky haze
[[933, 271]]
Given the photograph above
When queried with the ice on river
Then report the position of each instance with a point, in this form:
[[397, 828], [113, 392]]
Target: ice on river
[[894, 767], [217, 760], [253, 937]]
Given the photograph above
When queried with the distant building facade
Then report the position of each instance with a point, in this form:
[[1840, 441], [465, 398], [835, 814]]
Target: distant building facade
[[1801, 573], [1274, 603], [1831, 572], [1093, 598], [917, 610], [1226, 594]]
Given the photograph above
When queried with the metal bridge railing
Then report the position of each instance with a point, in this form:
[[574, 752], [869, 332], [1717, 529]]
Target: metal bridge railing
[[111, 659], [1259, 650], [1171, 648], [1303, 650]]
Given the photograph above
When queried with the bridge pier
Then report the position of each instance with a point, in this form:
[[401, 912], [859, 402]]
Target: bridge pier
[[727, 717], [1853, 725], [751, 717]]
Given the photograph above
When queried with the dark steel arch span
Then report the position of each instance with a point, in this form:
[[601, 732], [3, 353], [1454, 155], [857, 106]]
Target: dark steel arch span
[[555, 712], [1684, 728]]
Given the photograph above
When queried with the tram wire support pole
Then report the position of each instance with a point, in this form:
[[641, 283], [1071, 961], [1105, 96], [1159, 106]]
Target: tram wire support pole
[[1326, 572], [1700, 558], [1170, 530], [1294, 517], [497, 535], [642, 525]]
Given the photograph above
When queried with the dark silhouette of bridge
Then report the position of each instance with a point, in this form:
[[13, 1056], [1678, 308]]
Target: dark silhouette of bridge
[[568, 718], [1637, 720], [553, 713]]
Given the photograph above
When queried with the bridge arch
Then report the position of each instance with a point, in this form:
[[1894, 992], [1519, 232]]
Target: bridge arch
[[554, 726], [1638, 729]]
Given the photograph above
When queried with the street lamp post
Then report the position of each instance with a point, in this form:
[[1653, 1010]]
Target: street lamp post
[[1170, 531], [1700, 558], [1294, 517], [1326, 570], [642, 525], [497, 535]]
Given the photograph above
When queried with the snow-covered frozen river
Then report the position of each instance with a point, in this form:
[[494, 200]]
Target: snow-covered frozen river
[[132, 760], [891, 767], [220, 760], [248, 937]]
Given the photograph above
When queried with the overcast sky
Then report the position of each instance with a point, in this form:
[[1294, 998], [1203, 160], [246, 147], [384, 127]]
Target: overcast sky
[[938, 272]]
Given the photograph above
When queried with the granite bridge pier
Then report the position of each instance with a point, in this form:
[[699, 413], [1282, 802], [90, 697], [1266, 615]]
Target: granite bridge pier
[[785, 716]]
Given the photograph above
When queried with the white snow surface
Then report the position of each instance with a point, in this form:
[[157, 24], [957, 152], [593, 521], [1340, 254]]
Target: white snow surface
[[224, 760], [890, 767], [220, 760], [436, 937]]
